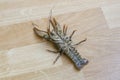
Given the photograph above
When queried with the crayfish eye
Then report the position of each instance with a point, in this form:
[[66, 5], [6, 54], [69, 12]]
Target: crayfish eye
[[66, 38], [52, 33]]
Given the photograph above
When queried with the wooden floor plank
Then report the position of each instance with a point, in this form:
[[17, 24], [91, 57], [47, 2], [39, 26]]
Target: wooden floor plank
[[22, 34], [23, 55], [112, 15]]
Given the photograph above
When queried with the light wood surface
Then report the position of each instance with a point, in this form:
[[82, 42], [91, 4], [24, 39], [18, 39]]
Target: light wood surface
[[23, 55]]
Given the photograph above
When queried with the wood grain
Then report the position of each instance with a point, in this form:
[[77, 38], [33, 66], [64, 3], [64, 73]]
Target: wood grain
[[23, 55], [112, 15]]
